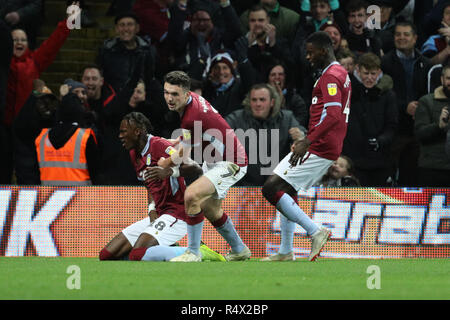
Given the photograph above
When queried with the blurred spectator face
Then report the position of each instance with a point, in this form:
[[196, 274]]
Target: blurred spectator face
[[81, 94], [277, 76], [138, 95], [348, 63], [260, 103], [445, 80], [20, 42], [385, 14], [221, 73], [257, 20], [93, 81], [335, 36], [344, 43], [339, 169], [320, 9], [46, 106], [368, 77], [357, 21], [404, 38], [126, 29], [201, 22], [446, 15]]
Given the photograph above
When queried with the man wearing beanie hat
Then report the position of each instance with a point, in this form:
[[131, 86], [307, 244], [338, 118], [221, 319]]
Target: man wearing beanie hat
[[195, 46], [76, 88], [222, 88]]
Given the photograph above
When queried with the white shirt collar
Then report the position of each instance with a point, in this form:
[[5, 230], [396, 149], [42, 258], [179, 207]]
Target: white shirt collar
[[333, 63], [147, 145]]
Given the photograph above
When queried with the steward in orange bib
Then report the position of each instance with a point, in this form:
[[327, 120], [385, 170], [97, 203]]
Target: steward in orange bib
[[67, 153]]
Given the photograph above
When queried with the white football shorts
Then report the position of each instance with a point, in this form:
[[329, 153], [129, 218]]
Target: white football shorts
[[306, 173], [223, 175], [166, 229]]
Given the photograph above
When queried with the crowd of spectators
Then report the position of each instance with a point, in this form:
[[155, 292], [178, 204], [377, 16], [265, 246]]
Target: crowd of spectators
[[248, 59]]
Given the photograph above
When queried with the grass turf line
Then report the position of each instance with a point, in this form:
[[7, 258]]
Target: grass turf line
[[45, 278]]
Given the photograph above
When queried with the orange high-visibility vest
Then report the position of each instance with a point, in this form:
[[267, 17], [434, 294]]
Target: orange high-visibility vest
[[66, 166]]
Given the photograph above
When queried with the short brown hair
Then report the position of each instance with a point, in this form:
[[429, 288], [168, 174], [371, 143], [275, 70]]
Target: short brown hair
[[369, 61], [178, 78], [345, 53]]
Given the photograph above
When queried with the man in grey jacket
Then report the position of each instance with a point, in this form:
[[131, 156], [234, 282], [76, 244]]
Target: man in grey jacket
[[431, 126], [265, 130]]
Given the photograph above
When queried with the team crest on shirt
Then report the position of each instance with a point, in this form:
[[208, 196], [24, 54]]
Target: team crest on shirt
[[186, 135], [332, 89], [149, 160], [170, 150]]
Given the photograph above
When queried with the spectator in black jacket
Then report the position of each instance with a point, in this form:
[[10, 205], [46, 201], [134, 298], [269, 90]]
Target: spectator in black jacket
[[387, 24], [267, 132], [109, 106], [372, 123], [279, 78], [195, 46], [126, 54], [265, 46], [409, 69], [360, 38]]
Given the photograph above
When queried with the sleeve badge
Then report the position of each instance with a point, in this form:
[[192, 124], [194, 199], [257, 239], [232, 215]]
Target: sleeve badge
[[332, 89]]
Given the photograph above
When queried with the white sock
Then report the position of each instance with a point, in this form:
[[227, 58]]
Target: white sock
[[287, 206], [162, 253], [287, 235], [194, 237], [229, 233]]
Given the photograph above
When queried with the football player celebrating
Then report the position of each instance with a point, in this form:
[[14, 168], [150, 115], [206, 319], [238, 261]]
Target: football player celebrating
[[151, 238], [226, 164], [311, 157]]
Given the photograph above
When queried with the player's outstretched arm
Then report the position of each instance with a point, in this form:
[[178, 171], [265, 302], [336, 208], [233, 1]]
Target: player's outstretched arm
[[189, 170]]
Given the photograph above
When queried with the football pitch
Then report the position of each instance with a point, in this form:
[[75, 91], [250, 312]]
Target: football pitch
[[326, 279]]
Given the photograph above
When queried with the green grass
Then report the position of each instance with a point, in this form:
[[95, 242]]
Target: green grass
[[45, 278]]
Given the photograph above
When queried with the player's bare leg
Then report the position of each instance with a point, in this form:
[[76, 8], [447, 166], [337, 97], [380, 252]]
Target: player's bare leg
[[196, 193], [212, 208], [116, 249], [284, 197]]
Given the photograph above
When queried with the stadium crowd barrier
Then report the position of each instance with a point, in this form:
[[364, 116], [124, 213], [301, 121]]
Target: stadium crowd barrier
[[365, 222]]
